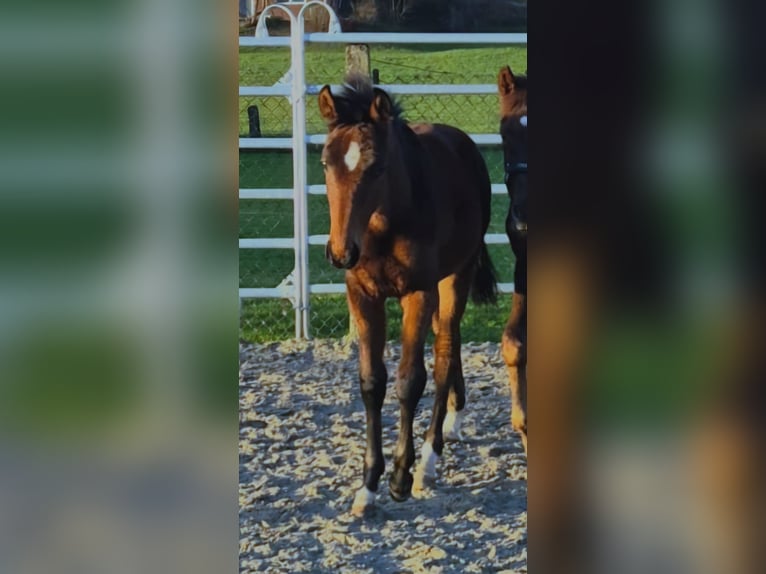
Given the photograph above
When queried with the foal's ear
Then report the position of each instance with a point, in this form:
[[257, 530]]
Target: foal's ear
[[505, 81], [381, 108], [327, 105]]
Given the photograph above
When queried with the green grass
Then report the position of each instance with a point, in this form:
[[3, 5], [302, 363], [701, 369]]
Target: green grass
[[397, 65], [264, 320], [411, 64]]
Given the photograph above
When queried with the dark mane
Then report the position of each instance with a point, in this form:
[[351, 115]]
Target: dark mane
[[352, 103]]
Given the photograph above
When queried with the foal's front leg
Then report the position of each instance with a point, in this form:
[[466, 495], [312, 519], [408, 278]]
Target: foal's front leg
[[418, 308], [370, 317]]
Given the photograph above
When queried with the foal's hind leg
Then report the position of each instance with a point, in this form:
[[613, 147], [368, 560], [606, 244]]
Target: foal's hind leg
[[453, 420], [456, 401], [448, 371], [418, 308], [515, 357], [370, 317]]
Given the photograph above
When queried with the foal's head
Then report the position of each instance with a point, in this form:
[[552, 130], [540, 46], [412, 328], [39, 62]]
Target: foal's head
[[513, 129], [354, 159]]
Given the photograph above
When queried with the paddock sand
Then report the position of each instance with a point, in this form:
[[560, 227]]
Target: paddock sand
[[301, 448]]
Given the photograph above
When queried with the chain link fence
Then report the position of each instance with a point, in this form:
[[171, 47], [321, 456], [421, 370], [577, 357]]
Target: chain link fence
[[272, 319]]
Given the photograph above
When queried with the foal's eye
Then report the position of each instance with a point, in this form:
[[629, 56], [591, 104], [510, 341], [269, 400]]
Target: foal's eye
[[324, 164]]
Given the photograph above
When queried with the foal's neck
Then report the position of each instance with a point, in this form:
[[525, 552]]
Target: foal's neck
[[400, 188]]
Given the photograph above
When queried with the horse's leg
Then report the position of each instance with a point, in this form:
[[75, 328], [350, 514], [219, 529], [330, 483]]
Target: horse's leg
[[455, 405], [448, 375], [515, 357], [418, 310], [456, 400], [370, 317]]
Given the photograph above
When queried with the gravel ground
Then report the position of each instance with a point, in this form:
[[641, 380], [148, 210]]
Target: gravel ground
[[301, 445]]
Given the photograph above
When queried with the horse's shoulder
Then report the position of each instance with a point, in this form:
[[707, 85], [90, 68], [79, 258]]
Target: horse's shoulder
[[441, 132], [421, 127], [424, 129]]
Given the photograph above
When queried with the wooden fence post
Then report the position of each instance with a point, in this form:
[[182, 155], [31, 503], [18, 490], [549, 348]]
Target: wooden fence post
[[253, 121], [357, 61]]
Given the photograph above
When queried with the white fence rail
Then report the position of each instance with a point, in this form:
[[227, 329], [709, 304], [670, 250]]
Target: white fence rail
[[299, 289]]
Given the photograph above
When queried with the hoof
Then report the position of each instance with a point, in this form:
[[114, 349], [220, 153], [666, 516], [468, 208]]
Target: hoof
[[451, 427], [524, 441], [402, 489], [519, 424], [363, 502], [426, 472], [423, 482]]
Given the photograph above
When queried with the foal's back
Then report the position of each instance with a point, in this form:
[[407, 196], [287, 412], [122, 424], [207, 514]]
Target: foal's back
[[459, 178]]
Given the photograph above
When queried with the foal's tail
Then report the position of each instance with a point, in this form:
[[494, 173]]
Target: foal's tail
[[484, 288]]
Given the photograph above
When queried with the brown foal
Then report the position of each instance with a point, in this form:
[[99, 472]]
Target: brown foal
[[409, 206]]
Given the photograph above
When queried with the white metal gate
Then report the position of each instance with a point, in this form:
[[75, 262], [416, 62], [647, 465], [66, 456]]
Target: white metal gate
[[297, 287]]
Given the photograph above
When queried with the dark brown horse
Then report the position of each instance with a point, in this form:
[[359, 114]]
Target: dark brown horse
[[513, 129], [409, 206]]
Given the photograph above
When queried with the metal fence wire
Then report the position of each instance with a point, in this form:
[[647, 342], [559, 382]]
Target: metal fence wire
[[264, 319]]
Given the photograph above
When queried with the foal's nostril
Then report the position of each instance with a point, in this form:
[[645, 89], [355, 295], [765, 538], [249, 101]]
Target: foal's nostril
[[352, 257], [331, 258], [347, 261]]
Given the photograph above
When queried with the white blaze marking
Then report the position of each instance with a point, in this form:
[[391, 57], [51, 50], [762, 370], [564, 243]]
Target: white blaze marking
[[451, 426], [523, 121], [352, 156]]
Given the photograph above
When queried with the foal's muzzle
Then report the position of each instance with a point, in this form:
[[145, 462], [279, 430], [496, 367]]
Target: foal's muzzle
[[518, 220], [347, 261]]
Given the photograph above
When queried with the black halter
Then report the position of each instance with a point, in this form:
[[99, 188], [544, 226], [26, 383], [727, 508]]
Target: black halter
[[512, 169]]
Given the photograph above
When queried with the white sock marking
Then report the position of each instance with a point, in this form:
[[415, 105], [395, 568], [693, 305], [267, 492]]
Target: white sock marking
[[352, 156], [452, 423], [363, 499], [428, 460]]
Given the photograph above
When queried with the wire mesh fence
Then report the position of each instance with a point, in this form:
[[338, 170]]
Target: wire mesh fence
[[271, 319]]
